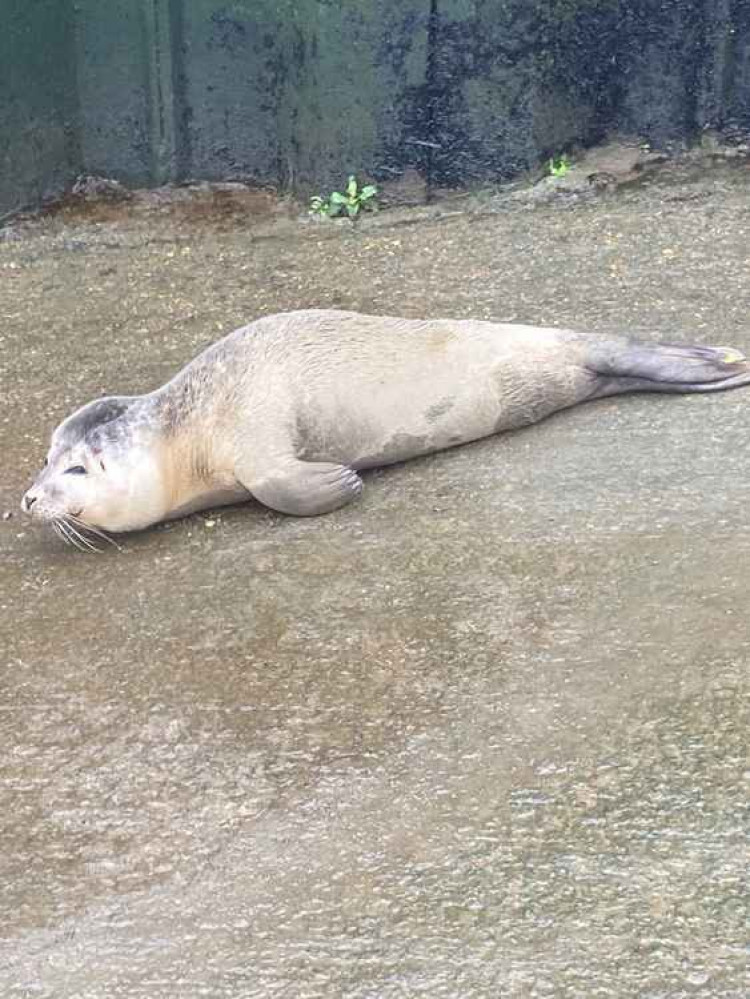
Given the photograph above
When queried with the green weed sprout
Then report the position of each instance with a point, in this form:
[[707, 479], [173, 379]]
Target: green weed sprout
[[352, 203], [559, 166]]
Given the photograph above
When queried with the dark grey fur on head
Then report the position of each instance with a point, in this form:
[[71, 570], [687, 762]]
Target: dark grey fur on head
[[94, 416]]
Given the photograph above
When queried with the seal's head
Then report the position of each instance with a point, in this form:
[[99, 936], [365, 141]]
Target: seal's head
[[101, 471]]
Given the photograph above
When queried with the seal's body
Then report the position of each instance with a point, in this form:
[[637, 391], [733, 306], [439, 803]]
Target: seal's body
[[290, 407]]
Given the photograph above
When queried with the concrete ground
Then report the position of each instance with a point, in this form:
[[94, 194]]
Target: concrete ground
[[482, 734]]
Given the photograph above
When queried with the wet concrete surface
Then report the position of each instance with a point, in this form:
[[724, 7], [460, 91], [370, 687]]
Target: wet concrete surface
[[483, 734]]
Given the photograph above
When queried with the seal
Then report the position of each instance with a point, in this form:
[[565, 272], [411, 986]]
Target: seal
[[289, 409]]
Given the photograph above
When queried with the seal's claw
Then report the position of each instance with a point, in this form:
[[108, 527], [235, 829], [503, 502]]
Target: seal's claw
[[730, 356]]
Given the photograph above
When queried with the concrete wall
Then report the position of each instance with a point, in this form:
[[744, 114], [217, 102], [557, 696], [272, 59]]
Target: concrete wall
[[120, 46], [39, 136], [282, 91], [301, 92]]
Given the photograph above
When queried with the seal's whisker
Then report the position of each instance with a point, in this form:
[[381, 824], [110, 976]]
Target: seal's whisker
[[85, 542], [59, 532], [90, 529], [72, 539], [64, 531]]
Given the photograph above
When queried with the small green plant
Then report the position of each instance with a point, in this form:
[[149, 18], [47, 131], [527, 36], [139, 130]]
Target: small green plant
[[559, 166], [319, 206], [352, 203]]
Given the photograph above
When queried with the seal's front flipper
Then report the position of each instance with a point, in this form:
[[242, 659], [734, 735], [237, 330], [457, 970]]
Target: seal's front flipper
[[304, 488], [633, 366]]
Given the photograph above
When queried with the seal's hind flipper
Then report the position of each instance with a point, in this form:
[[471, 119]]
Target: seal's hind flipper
[[635, 366]]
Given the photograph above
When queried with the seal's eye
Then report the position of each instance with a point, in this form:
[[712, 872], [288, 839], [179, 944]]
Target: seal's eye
[[75, 470], [46, 462]]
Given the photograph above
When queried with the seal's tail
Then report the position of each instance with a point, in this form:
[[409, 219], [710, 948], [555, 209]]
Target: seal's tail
[[635, 366]]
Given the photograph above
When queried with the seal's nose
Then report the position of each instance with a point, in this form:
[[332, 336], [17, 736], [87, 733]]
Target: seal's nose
[[28, 501]]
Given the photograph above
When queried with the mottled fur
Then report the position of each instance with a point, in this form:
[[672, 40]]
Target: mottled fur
[[290, 407]]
